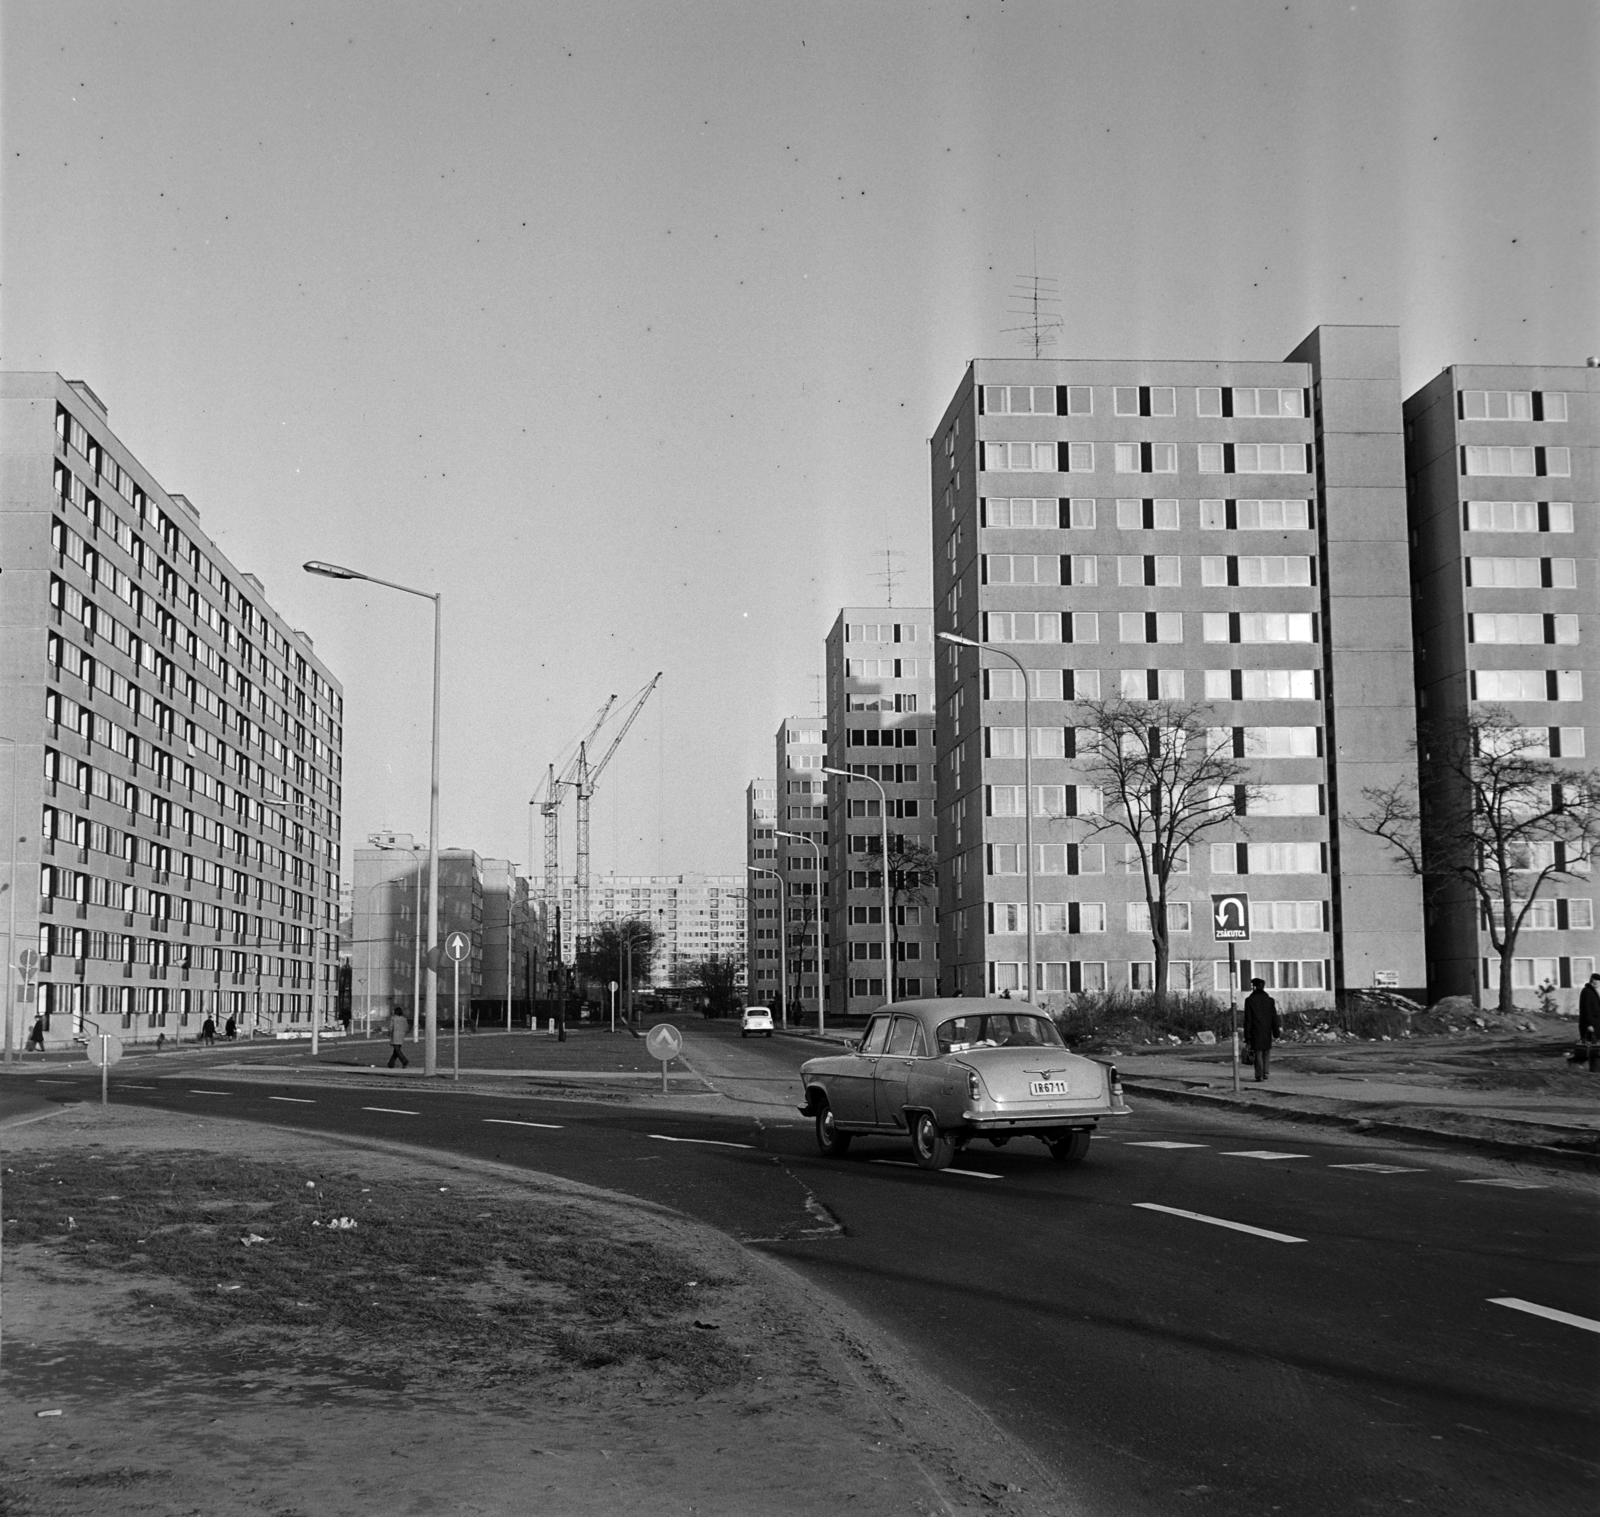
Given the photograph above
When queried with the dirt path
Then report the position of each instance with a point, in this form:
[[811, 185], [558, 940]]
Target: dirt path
[[482, 1341]]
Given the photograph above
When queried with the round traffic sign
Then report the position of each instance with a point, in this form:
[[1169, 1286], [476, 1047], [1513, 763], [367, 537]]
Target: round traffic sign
[[457, 946], [28, 962], [104, 1048], [664, 1041]]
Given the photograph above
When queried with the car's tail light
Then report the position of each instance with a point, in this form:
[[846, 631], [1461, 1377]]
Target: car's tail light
[[974, 1086], [1116, 1082]]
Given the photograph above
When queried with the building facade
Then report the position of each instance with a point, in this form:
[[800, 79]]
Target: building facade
[[1502, 487], [879, 662], [695, 917], [509, 945], [1229, 533], [175, 762], [801, 808], [763, 914]]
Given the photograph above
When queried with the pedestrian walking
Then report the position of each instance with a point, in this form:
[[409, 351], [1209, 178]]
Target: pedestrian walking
[[1589, 1021], [1260, 1025], [36, 1037], [208, 1033], [398, 1027], [230, 1029]]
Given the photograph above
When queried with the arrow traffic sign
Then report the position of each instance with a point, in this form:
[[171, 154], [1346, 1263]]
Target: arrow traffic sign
[[457, 946], [1230, 918]]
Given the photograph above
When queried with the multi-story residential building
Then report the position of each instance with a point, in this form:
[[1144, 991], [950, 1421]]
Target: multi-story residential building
[[695, 916], [763, 915], [508, 943], [880, 726], [1266, 579], [1501, 471], [175, 751], [801, 808]]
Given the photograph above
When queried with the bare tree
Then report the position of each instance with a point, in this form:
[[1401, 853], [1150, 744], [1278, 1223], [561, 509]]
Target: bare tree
[[1166, 777], [717, 976], [913, 870], [1494, 819]]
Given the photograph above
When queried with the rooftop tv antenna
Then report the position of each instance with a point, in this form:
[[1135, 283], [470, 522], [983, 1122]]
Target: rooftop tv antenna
[[889, 574], [1036, 298]]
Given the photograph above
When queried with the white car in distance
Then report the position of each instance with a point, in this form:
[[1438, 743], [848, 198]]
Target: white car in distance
[[756, 1019]]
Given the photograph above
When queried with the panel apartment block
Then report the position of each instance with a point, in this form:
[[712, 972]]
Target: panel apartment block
[[1173, 530], [801, 808], [695, 917], [880, 726], [175, 759], [1502, 477], [763, 915]]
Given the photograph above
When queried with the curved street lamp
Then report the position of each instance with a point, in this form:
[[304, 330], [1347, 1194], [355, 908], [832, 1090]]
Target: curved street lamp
[[430, 1063]]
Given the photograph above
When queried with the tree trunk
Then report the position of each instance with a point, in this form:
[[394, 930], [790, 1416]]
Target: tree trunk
[[1163, 951], [1508, 1004]]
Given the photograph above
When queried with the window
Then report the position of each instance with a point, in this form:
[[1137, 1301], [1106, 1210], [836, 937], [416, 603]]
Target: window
[[1285, 800], [1145, 400], [1498, 460], [1132, 865], [1022, 568], [1151, 626], [1021, 511], [1268, 402], [1279, 742], [1277, 974], [1208, 401], [1507, 573], [1148, 515], [1266, 858], [1080, 458], [1150, 569], [1498, 405], [1269, 458], [1080, 400], [1130, 515], [1125, 400], [1519, 516], [1019, 457], [1152, 684], [1145, 457], [1085, 569], [1019, 400], [1286, 916], [1179, 916], [1520, 627], [1022, 626], [1273, 515], [1211, 458], [1527, 685], [1126, 456]]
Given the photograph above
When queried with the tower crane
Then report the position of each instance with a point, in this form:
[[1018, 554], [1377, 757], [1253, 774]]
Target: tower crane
[[584, 784], [550, 809]]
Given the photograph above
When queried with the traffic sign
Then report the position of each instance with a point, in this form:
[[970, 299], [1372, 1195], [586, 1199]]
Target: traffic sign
[[1230, 918], [28, 962], [664, 1041], [104, 1048], [457, 947]]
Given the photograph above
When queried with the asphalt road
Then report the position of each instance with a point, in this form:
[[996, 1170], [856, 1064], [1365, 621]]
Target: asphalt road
[[1209, 1314]]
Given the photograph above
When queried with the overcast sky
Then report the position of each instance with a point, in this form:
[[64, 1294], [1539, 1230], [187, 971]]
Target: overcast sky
[[626, 326]]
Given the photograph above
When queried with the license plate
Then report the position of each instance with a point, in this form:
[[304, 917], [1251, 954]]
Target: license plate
[[1048, 1088]]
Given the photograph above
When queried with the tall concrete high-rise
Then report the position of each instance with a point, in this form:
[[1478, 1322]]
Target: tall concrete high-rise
[[879, 663], [1501, 468], [801, 807], [763, 915], [174, 752], [694, 917], [1267, 580]]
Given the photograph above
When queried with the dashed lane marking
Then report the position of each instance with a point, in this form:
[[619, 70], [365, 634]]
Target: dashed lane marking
[[210, 1092], [1258, 1153], [1238, 1227], [971, 1174], [1157, 1143], [298, 1100], [127, 1086], [396, 1111], [1382, 1169], [1509, 1184], [661, 1137], [45, 1080], [510, 1122], [1571, 1319]]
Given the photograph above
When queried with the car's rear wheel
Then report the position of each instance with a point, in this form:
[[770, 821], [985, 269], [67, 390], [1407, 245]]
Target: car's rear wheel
[[934, 1149], [1069, 1148], [833, 1143]]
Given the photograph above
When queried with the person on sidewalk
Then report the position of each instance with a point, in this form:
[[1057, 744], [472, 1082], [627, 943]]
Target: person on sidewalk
[[36, 1037], [1260, 1025], [1589, 1021], [230, 1029], [397, 1036], [208, 1033]]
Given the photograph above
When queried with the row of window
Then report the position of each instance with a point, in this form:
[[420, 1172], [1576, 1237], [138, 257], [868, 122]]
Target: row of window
[[1159, 569], [1058, 801], [1520, 462], [1558, 972], [1079, 513], [1526, 684], [1521, 573], [1162, 458], [1511, 405], [883, 701], [1006, 918], [887, 632], [1143, 400], [1546, 914], [1517, 516], [1521, 627], [904, 990], [1079, 978], [887, 668], [1226, 858], [1169, 684], [1152, 626]]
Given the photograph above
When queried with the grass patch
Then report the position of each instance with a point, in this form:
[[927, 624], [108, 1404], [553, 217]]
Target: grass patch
[[484, 1286]]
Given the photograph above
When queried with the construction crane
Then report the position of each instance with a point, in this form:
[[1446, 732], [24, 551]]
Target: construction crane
[[584, 784], [550, 809]]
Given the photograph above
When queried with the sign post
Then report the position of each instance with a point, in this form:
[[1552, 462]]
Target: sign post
[[664, 1042], [613, 1006], [1230, 924], [456, 947], [105, 1050]]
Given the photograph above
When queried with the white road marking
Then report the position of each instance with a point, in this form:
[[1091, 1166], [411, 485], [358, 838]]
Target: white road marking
[[1156, 1143], [1571, 1319], [127, 1086], [509, 1122], [394, 1110], [1509, 1184], [1381, 1169], [298, 1100], [971, 1174], [1258, 1153], [210, 1092], [1238, 1227], [708, 1142], [45, 1080]]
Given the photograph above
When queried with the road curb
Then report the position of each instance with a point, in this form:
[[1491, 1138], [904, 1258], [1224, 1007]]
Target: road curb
[[1534, 1153]]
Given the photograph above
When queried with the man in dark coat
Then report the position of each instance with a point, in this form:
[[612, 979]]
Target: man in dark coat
[[1589, 1020], [1260, 1025]]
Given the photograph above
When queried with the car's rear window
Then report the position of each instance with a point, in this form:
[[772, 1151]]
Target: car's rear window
[[998, 1030]]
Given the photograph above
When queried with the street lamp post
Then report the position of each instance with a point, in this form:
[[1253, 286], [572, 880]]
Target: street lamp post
[[430, 1064], [1027, 782], [783, 940], [811, 842], [888, 894]]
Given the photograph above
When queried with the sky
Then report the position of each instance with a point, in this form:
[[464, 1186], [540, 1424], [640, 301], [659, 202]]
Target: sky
[[624, 327]]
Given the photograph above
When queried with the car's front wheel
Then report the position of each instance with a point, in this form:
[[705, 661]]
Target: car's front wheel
[[833, 1143], [1070, 1147], [934, 1149], [743, 1033]]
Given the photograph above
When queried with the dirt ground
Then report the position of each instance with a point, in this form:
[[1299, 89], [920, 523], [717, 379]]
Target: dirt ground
[[482, 1341]]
